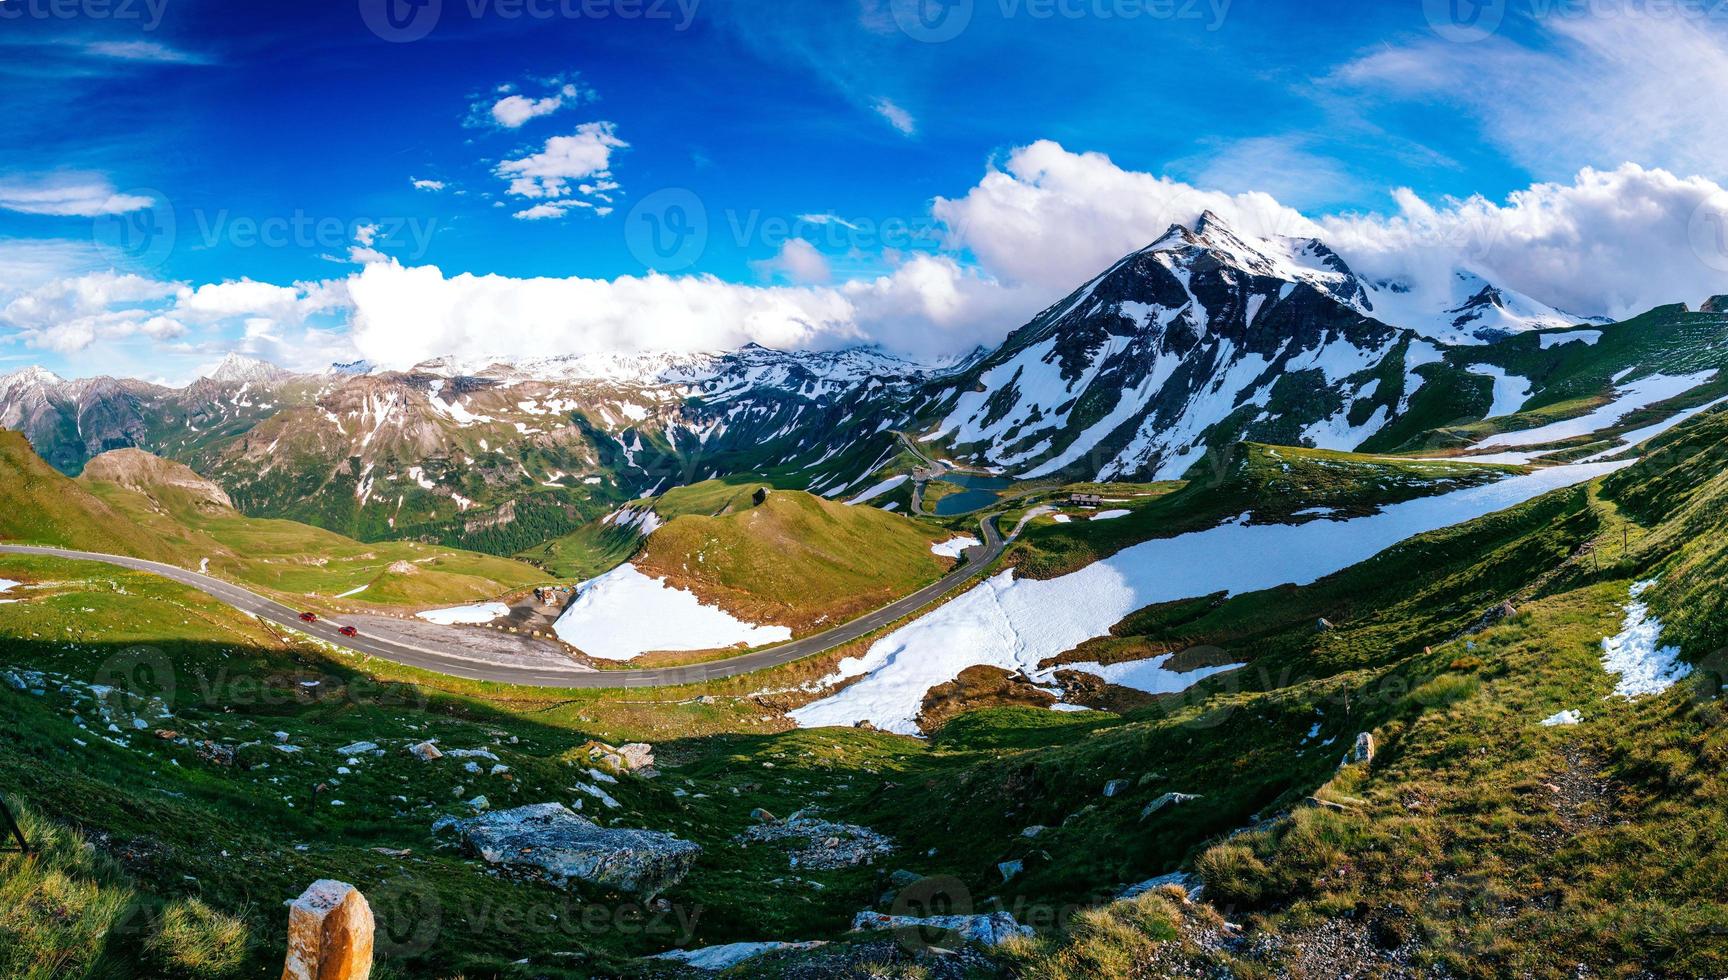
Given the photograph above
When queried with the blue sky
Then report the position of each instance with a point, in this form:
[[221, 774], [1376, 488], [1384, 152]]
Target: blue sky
[[269, 136]]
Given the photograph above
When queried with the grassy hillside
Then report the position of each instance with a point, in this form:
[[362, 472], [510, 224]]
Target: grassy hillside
[[39, 505], [129, 502], [795, 559]]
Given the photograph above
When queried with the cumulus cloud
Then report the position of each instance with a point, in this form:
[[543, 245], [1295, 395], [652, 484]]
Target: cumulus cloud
[[1053, 218], [798, 261], [426, 185], [78, 195], [569, 172], [511, 109], [1608, 243], [927, 306]]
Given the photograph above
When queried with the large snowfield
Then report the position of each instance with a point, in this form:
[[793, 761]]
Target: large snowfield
[[1016, 624], [623, 614]]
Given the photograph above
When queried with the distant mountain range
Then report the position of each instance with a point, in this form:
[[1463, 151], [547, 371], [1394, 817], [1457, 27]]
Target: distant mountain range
[[1202, 338]]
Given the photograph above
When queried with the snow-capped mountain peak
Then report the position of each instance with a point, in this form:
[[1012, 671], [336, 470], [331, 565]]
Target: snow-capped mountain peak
[[1471, 310], [30, 377], [240, 369]]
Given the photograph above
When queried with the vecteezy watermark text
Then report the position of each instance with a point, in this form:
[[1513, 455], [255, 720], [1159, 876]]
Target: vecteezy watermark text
[[401, 21], [936, 21], [147, 12]]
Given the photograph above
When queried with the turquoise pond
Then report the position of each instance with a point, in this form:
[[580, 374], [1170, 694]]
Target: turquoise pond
[[979, 493]]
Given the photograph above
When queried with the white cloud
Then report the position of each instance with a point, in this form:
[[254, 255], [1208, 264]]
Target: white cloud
[[927, 306], [426, 185], [569, 172], [799, 262], [1055, 219], [149, 51], [1600, 90], [1609, 243], [897, 117], [512, 109], [79, 195]]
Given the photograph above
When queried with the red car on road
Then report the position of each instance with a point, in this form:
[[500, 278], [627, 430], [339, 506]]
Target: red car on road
[[308, 617], [348, 631]]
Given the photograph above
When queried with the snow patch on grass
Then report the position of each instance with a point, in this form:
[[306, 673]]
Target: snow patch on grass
[[1634, 396], [877, 490], [1635, 653], [1564, 718], [623, 614], [954, 548], [474, 615], [1110, 515]]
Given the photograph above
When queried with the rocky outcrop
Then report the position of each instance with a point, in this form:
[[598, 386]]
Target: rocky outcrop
[[1362, 751], [821, 845], [329, 934], [1493, 617], [636, 757], [989, 929], [552, 842], [156, 478], [1167, 800]]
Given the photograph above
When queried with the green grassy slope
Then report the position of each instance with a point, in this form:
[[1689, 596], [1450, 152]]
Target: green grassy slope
[[796, 559], [161, 510]]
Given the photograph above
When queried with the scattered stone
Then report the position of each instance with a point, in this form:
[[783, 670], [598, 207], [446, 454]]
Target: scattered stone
[[989, 930], [825, 845], [215, 753], [903, 878], [330, 930], [1168, 799], [1033, 831], [636, 757], [1187, 882], [554, 843], [1324, 625], [426, 752], [480, 803], [1493, 617], [1363, 750], [727, 956], [763, 816], [358, 748], [1115, 787], [1317, 803], [1009, 870]]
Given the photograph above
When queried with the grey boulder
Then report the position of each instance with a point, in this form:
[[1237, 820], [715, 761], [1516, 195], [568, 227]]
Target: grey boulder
[[552, 842]]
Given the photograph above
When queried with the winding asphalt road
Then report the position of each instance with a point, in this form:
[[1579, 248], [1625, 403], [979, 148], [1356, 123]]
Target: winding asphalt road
[[401, 651]]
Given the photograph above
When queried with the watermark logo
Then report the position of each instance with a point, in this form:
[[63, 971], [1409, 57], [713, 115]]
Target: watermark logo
[[145, 237], [927, 898], [1465, 21], [932, 21], [667, 231], [134, 687], [1707, 232], [409, 916], [401, 21]]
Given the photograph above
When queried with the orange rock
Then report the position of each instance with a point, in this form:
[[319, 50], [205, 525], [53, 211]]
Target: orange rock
[[329, 934]]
